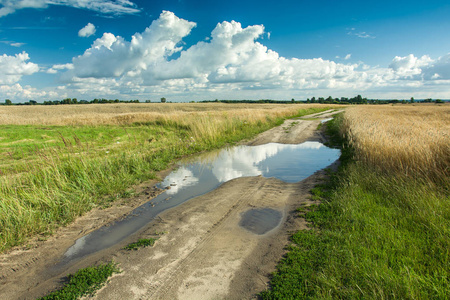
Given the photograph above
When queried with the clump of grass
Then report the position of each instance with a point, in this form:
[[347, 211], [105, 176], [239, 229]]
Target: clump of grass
[[84, 282], [140, 244]]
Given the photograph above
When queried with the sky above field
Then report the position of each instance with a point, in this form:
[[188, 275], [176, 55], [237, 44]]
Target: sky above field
[[187, 50]]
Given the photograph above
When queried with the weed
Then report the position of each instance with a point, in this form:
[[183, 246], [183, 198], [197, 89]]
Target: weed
[[84, 282], [140, 244]]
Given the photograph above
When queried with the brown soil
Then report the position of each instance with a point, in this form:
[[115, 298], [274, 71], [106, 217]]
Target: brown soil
[[202, 254]]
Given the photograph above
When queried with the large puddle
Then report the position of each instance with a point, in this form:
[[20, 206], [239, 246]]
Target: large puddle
[[289, 163]]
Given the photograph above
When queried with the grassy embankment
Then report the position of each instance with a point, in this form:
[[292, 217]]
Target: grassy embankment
[[382, 230], [58, 162]]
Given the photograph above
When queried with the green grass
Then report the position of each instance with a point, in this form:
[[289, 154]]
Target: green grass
[[374, 236], [84, 282], [21, 146], [51, 175], [140, 244]]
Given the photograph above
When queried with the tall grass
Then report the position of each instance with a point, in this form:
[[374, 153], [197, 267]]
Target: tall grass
[[381, 231], [412, 140], [64, 180]]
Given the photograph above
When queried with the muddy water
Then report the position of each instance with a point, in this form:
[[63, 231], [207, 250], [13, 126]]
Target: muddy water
[[289, 163], [260, 220]]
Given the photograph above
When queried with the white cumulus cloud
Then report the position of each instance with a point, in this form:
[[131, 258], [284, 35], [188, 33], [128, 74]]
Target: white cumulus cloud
[[54, 69], [438, 69], [87, 30], [111, 7], [113, 56], [232, 56], [409, 65], [25, 93], [12, 68]]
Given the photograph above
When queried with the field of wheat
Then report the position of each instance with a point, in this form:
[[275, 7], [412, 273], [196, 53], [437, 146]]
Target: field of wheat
[[411, 140], [124, 113]]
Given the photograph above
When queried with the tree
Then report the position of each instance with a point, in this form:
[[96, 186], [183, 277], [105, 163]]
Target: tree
[[163, 100], [8, 102], [412, 100]]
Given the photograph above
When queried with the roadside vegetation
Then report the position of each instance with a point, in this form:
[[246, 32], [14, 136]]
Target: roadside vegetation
[[84, 282], [56, 163], [382, 230], [141, 243]]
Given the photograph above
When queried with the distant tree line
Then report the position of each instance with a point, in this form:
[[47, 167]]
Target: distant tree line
[[248, 101], [73, 101], [329, 100]]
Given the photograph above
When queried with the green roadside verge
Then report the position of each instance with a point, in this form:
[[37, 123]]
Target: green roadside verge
[[374, 236]]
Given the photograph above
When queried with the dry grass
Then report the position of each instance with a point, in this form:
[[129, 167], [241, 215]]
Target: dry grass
[[122, 113], [205, 120], [411, 140]]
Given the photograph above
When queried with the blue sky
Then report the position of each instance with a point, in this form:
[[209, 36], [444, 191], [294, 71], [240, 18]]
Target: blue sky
[[194, 50]]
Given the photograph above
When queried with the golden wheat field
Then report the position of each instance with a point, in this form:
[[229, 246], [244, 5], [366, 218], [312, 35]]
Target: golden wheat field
[[124, 113], [412, 140]]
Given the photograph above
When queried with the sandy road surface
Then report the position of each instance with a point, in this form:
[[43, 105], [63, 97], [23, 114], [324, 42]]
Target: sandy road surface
[[203, 253]]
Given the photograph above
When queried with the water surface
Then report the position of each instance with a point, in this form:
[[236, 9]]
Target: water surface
[[260, 220], [289, 163]]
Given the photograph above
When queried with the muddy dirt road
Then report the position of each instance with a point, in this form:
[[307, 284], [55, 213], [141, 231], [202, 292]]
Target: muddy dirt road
[[203, 253]]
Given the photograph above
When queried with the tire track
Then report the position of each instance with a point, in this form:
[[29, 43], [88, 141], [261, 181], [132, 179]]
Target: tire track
[[170, 282]]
